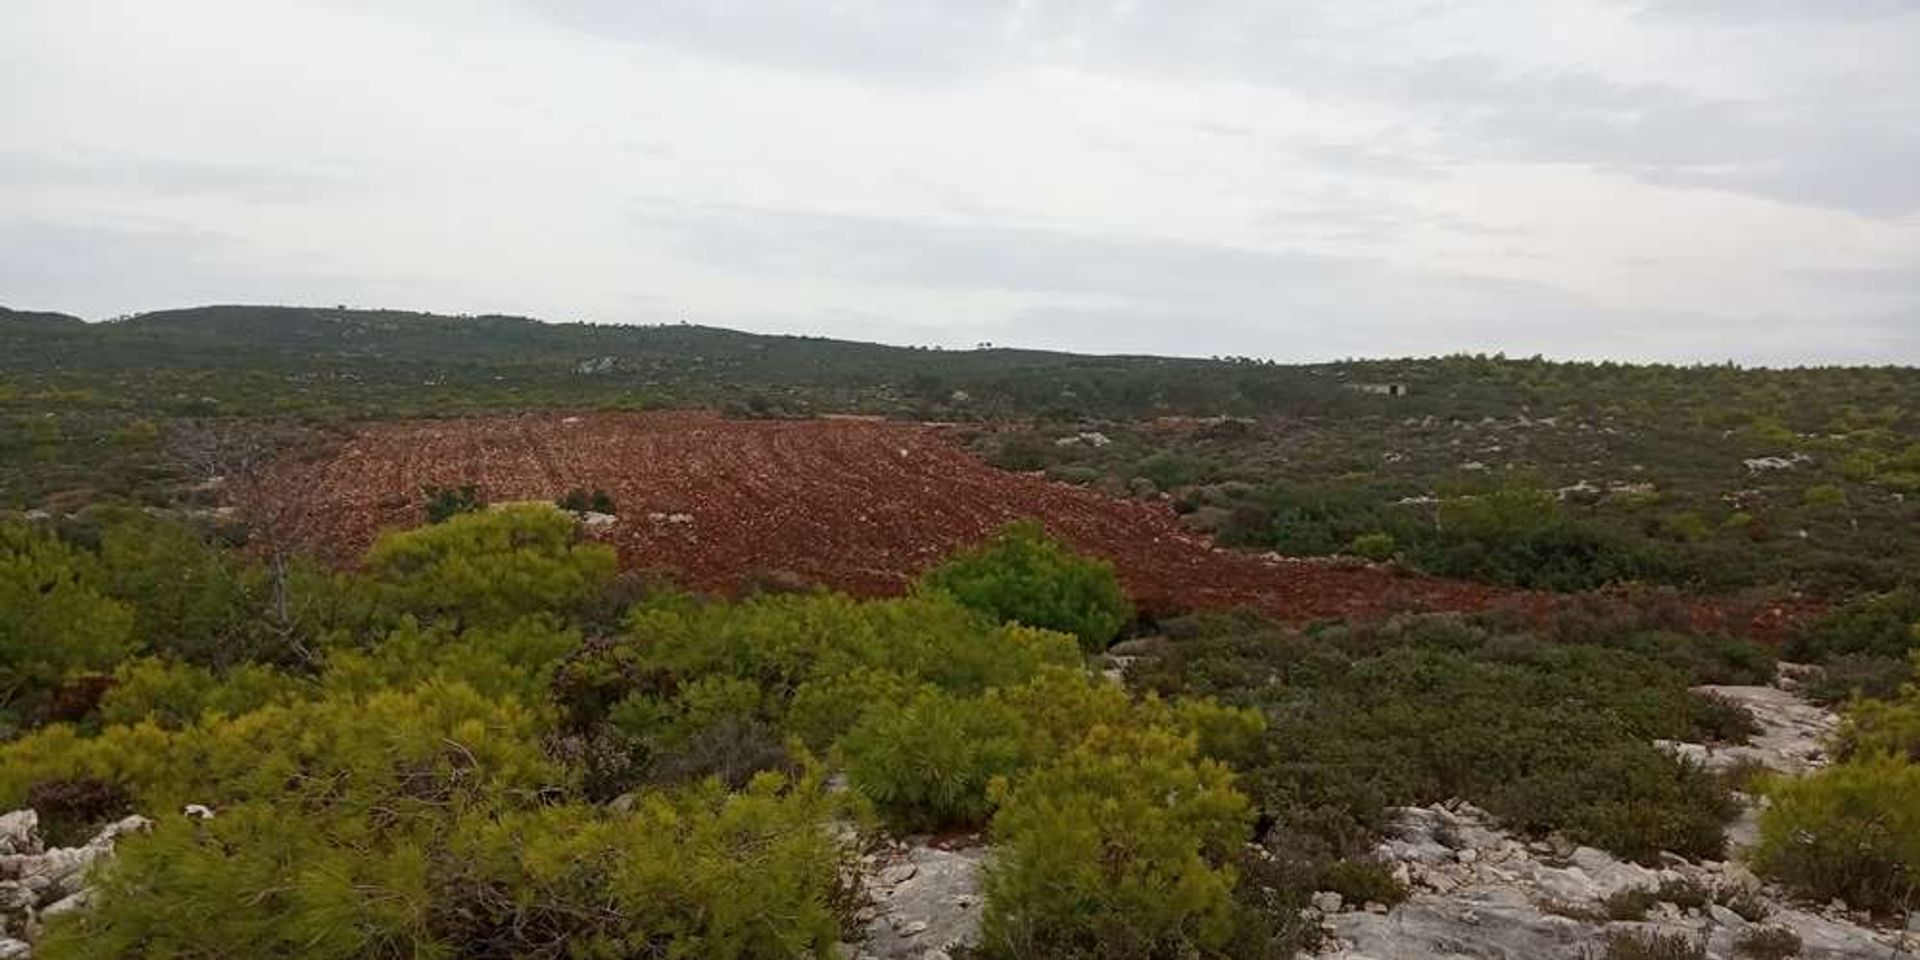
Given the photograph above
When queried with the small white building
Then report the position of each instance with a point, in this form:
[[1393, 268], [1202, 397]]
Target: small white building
[[1381, 389]]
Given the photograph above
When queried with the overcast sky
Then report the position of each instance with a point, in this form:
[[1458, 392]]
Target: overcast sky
[[1298, 179]]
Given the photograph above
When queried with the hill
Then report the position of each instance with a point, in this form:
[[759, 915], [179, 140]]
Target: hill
[[12, 321], [1712, 477]]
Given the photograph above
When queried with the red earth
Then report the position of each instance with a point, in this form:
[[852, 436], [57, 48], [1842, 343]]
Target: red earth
[[856, 505]]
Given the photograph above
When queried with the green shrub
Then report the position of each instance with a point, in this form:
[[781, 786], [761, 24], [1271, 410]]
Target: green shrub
[[1767, 943], [1120, 849], [1023, 576], [1824, 495], [402, 751], [1418, 710], [178, 695], [515, 660], [489, 569], [825, 708], [1021, 453], [1524, 537], [703, 873], [579, 501], [1360, 882], [1653, 945], [1850, 831], [1883, 726], [782, 641], [1706, 659], [1170, 470], [928, 763], [444, 504], [1629, 904], [1374, 546], [1720, 720], [1634, 803], [252, 882], [1879, 626], [714, 726], [55, 618], [191, 600], [1850, 676]]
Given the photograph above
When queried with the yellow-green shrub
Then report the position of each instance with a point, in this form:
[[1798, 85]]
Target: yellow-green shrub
[[258, 880], [490, 568], [1060, 707], [55, 620], [825, 708], [398, 749], [1850, 831], [928, 763], [700, 874], [1118, 850], [517, 659], [1024, 576], [783, 641], [176, 695], [1884, 726]]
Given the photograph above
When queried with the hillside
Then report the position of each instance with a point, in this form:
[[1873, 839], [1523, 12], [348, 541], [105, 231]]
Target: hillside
[[574, 635], [1644, 469], [36, 322]]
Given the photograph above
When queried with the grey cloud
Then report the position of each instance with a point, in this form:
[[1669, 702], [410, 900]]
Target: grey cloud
[[1897, 283], [1232, 293], [926, 39], [1757, 11], [1847, 148], [68, 268], [101, 270], [979, 256], [1850, 156], [914, 39], [1115, 293], [277, 181], [1809, 107]]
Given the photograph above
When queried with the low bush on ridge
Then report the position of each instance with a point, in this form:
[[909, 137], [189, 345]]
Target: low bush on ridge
[[1550, 736], [1023, 576], [1852, 830]]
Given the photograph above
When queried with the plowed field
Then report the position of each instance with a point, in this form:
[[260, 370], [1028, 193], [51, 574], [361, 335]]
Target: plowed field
[[855, 505], [858, 506]]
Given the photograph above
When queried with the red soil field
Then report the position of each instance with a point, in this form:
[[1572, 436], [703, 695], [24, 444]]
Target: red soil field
[[858, 506]]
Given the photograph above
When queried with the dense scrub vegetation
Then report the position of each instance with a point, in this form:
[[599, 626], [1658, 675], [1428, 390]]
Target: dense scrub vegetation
[[478, 759], [1556, 475], [485, 742], [1549, 728], [1545, 503], [486, 731], [1022, 576], [1852, 831]]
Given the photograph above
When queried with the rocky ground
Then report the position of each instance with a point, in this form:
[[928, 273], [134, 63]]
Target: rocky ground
[[37, 883], [925, 899], [1477, 891], [1481, 893]]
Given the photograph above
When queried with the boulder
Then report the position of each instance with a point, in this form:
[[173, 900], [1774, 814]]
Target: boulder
[[1480, 893], [926, 901], [20, 832]]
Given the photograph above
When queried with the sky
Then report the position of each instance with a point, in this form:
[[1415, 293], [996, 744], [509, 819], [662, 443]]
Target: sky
[[1675, 180]]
